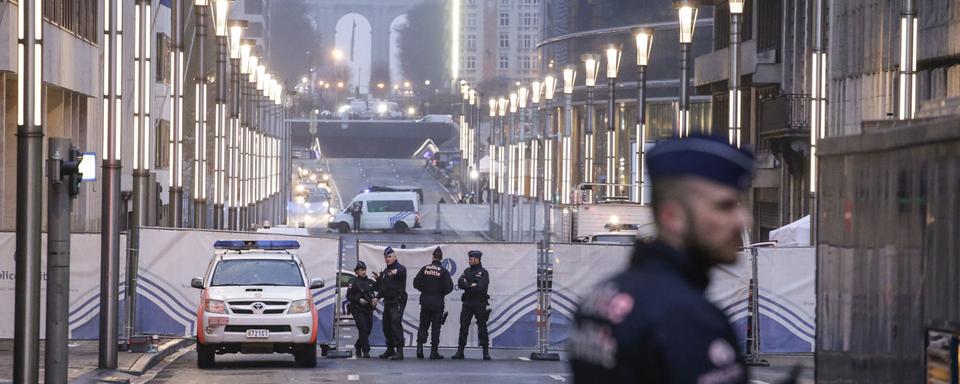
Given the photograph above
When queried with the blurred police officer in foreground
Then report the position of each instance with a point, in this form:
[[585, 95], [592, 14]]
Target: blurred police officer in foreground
[[363, 302], [652, 322], [434, 282], [392, 288], [476, 303]]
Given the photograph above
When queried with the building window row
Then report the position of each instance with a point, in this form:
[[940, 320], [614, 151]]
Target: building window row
[[78, 17]]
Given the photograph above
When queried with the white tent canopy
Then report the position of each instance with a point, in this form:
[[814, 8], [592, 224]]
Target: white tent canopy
[[795, 234], [485, 164]]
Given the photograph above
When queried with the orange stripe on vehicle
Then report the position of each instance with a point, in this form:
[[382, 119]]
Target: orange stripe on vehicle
[[200, 338], [313, 313]]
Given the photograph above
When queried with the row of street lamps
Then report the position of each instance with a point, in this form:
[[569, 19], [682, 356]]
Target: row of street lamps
[[523, 167]]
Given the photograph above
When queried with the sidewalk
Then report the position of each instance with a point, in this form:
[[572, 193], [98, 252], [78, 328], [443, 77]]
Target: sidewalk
[[84, 359]]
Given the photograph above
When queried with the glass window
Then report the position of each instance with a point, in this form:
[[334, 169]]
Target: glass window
[[504, 40], [257, 272], [471, 42], [504, 19], [471, 62], [504, 62]]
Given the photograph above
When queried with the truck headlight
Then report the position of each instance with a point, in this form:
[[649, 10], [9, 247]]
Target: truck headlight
[[299, 306], [215, 306]]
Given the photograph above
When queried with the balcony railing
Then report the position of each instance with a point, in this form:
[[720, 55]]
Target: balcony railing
[[785, 112]]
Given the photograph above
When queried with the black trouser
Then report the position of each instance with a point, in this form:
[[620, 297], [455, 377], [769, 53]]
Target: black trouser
[[356, 223], [430, 319], [478, 310], [364, 320], [393, 325]]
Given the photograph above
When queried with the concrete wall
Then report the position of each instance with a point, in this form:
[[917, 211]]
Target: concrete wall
[[888, 248]]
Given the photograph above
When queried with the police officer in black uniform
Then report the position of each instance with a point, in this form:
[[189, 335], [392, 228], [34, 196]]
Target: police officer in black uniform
[[652, 323], [476, 303], [434, 282], [392, 288], [363, 302]]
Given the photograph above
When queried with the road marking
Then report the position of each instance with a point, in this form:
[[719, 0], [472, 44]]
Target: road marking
[[353, 377], [558, 378], [524, 358], [758, 382]]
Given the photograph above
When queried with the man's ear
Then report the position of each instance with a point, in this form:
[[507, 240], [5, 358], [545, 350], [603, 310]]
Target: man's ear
[[672, 217]]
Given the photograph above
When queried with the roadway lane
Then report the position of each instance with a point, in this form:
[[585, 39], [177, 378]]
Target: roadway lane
[[506, 367], [353, 175]]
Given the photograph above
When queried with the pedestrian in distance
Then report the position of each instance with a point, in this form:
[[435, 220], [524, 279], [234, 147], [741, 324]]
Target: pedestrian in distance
[[355, 211], [363, 302], [434, 283], [476, 303], [653, 323], [391, 285]]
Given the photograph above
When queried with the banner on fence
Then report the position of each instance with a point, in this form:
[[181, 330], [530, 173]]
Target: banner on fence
[[84, 281], [788, 299], [513, 295], [169, 258]]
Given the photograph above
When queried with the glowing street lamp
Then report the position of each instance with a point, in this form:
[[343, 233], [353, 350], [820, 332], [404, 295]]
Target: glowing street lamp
[[644, 41], [612, 54], [566, 174], [687, 11], [549, 91], [221, 8], [200, 118], [591, 63], [733, 115]]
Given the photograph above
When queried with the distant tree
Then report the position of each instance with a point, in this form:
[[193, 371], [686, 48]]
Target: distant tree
[[293, 40], [424, 43]]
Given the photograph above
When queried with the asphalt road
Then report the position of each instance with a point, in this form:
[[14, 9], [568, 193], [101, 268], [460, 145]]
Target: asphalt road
[[352, 176]]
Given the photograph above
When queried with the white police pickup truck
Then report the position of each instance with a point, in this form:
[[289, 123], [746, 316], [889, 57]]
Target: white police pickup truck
[[255, 298]]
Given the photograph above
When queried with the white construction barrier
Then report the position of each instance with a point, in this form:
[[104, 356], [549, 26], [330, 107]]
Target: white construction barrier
[[84, 283], [513, 295], [787, 299], [169, 258]]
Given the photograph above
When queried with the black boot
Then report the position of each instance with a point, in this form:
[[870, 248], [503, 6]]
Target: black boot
[[398, 355], [434, 354], [387, 354], [486, 352], [459, 354], [419, 351]]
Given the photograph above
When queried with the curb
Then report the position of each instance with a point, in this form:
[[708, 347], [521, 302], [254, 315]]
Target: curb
[[148, 360], [141, 365]]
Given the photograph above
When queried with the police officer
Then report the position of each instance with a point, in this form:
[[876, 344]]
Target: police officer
[[363, 302], [392, 288], [474, 283], [652, 323], [434, 282], [356, 211]]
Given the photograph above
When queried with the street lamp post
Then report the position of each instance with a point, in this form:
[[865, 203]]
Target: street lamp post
[[221, 8], [522, 191], [237, 48], [907, 100], [512, 162], [613, 136], [549, 150], [591, 63], [536, 167], [142, 84], [569, 77], [733, 124], [644, 40], [687, 10], [243, 138], [492, 155], [502, 187], [200, 118], [112, 75], [261, 120], [176, 114], [30, 114]]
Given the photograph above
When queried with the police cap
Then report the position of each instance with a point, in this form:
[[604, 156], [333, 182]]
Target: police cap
[[388, 251], [701, 156], [360, 265], [476, 254]]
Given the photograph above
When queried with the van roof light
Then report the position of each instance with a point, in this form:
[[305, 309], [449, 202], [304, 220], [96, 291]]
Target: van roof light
[[267, 245]]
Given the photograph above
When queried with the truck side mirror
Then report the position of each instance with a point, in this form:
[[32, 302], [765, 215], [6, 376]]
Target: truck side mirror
[[317, 283], [196, 282]]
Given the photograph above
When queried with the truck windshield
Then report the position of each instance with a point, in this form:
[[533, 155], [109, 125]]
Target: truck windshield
[[257, 272]]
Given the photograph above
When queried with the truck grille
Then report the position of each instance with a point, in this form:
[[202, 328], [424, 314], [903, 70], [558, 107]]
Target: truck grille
[[244, 328], [266, 307]]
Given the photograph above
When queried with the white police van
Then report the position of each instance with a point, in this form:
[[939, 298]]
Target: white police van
[[256, 298], [397, 211]]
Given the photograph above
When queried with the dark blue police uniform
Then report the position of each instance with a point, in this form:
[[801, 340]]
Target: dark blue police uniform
[[360, 295], [653, 323], [392, 288], [434, 283]]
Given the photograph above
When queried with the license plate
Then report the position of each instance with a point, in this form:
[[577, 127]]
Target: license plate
[[218, 320], [258, 333]]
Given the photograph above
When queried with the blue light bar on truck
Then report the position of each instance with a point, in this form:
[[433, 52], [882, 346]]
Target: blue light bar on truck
[[267, 245]]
